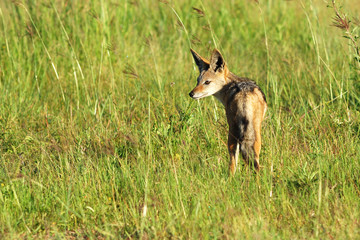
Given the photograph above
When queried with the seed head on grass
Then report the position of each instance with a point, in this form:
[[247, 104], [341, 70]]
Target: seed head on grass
[[148, 40], [207, 27], [94, 14], [112, 47], [195, 40], [199, 12], [130, 71], [30, 30], [340, 21], [17, 3], [180, 24]]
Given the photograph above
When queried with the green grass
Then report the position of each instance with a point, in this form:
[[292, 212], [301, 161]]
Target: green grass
[[99, 139]]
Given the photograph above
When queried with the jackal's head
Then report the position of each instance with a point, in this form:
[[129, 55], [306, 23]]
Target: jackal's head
[[212, 76]]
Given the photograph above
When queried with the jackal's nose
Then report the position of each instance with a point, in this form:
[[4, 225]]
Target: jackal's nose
[[191, 94]]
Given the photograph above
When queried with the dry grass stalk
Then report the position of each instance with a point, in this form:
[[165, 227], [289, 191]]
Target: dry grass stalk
[[342, 22]]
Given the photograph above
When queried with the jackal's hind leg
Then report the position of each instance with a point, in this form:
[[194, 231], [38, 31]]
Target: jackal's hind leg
[[233, 147], [257, 142], [257, 147]]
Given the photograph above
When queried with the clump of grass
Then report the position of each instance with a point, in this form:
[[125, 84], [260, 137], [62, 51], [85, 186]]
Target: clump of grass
[[342, 21]]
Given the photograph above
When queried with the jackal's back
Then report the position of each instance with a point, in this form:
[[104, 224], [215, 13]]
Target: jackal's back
[[241, 89]]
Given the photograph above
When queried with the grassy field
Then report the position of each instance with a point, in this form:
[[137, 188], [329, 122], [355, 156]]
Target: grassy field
[[99, 138]]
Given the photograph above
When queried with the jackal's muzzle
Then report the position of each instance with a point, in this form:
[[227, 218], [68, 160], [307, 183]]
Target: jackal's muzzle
[[191, 94]]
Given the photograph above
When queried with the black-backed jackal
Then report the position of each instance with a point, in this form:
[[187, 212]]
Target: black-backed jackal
[[244, 102]]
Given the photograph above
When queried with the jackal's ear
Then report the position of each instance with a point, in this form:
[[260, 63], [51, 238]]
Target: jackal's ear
[[217, 62], [201, 62]]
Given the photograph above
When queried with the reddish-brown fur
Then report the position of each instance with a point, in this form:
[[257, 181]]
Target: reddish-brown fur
[[244, 102]]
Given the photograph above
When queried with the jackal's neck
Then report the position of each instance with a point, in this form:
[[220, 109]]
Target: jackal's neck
[[231, 77], [231, 80], [222, 94]]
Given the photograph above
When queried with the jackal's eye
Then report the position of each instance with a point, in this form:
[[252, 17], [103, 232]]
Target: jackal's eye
[[207, 82]]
